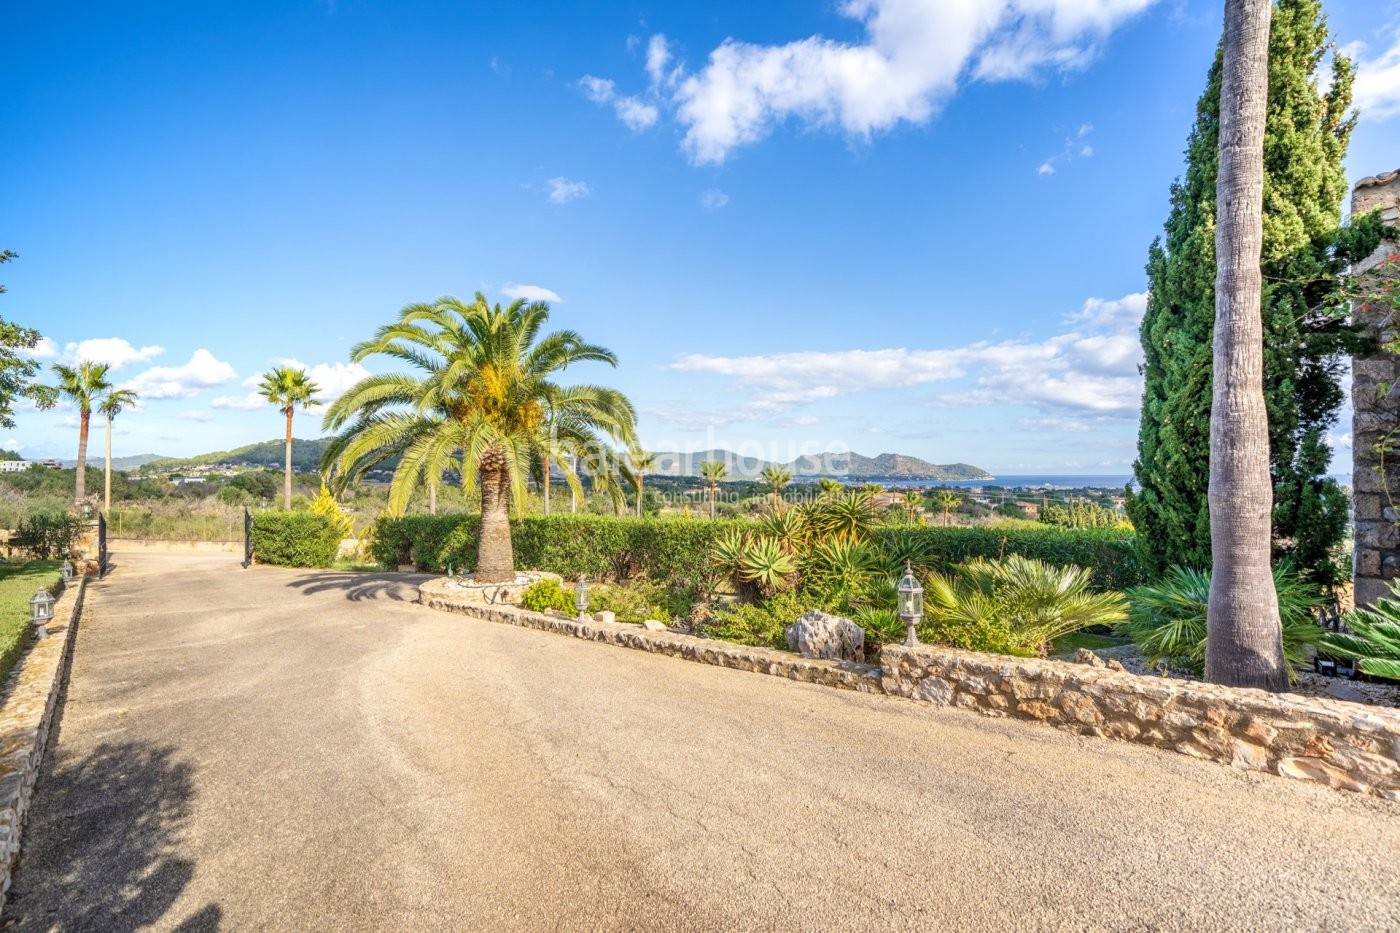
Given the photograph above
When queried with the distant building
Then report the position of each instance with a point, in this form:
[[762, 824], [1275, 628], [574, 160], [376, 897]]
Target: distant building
[[1030, 508], [52, 464], [186, 480], [15, 466]]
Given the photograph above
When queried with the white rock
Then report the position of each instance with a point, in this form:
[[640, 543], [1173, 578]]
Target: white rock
[[651, 625], [607, 615], [818, 635]]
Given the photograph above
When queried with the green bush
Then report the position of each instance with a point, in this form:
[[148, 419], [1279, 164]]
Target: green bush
[[677, 551], [47, 534], [544, 595], [763, 624], [295, 539], [1374, 640], [1167, 619]]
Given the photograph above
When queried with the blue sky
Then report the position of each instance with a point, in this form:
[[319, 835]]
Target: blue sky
[[889, 225]]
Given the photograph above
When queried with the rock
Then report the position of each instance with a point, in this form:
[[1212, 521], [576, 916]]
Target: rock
[[1116, 665], [651, 625], [818, 635], [607, 615], [1085, 656], [1341, 690]]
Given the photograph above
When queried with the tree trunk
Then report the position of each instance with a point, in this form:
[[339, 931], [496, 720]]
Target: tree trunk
[[546, 485], [712, 502], [495, 560], [1244, 640], [432, 498], [287, 473], [107, 472], [80, 480]]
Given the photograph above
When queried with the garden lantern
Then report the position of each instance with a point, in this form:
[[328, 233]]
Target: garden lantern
[[67, 570], [581, 597], [911, 604], [41, 611]]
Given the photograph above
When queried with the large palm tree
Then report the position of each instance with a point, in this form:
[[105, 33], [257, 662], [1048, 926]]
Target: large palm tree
[[777, 479], [287, 388], [479, 400], [947, 500], [912, 502], [638, 463], [84, 386], [112, 405], [713, 471], [1244, 640]]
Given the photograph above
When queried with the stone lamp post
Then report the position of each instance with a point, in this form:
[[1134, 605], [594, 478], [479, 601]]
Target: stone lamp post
[[911, 604], [41, 611], [581, 597]]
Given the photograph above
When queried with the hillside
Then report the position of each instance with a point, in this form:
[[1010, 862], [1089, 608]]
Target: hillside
[[850, 466], [120, 464], [306, 456]]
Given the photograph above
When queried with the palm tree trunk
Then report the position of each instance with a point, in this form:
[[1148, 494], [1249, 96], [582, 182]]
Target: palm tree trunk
[[1244, 641], [546, 485], [80, 480], [432, 498], [287, 473], [639, 495], [712, 502], [107, 471], [495, 562]]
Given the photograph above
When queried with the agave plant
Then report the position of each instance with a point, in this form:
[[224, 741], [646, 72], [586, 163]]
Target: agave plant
[[899, 547], [1374, 641], [850, 518], [767, 566], [840, 570], [1016, 605], [1167, 620], [788, 527]]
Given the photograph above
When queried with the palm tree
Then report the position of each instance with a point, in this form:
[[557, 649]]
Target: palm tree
[[638, 462], [480, 401], [111, 406], [947, 500], [83, 385], [1244, 637], [777, 479], [287, 388], [713, 471], [912, 501], [829, 488]]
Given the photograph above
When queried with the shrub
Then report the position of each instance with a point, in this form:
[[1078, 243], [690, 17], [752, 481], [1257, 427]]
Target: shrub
[[1167, 619], [762, 624], [47, 534], [545, 595], [1374, 641], [295, 539]]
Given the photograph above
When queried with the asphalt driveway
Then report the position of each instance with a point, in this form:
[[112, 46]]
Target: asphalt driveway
[[292, 750]]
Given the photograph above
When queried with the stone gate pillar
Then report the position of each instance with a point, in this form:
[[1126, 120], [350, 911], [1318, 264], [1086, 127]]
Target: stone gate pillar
[[1375, 412]]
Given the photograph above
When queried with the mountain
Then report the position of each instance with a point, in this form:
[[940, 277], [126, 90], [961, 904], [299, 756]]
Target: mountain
[[845, 465], [306, 456], [120, 464]]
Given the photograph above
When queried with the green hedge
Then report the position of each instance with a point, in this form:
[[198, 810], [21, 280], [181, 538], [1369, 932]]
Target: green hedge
[[677, 550], [294, 539]]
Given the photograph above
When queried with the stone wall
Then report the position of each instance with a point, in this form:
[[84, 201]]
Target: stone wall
[[30, 701], [1332, 742], [1375, 399]]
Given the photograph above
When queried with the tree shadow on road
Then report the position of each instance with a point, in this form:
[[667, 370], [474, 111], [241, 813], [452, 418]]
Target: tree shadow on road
[[102, 848], [398, 587]]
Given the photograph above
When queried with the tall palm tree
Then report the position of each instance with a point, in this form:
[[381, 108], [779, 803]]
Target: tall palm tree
[[777, 479], [478, 401], [83, 385], [638, 463], [912, 501], [112, 405], [287, 388], [829, 488], [1244, 636], [713, 471], [947, 500]]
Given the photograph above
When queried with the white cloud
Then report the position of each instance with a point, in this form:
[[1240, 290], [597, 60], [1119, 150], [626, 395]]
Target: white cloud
[[332, 381], [713, 199], [203, 371], [200, 416], [45, 349], [633, 111], [114, 351], [563, 190], [1087, 373], [250, 402], [1045, 169], [912, 58], [1376, 92], [1074, 148], [530, 292]]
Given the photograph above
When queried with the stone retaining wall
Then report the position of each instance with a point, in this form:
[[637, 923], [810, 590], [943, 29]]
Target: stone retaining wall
[[30, 700], [1346, 745], [845, 675], [1340, 744]]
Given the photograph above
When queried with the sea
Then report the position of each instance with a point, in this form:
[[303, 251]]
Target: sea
[[1115, 481]]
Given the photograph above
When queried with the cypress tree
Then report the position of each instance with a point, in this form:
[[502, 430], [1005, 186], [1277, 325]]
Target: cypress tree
[[1305, 336]]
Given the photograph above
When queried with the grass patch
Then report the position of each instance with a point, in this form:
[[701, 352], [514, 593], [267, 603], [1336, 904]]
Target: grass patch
[[1069, 644], [18, 584]]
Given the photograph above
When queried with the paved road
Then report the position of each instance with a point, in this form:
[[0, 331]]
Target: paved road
[[290, 750]]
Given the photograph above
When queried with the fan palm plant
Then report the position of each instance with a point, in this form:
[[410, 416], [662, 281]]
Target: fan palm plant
[[83, 385], [112, 405], [777, 479], [483, 401], [287, 388], [1374, 640], [713, 471]]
